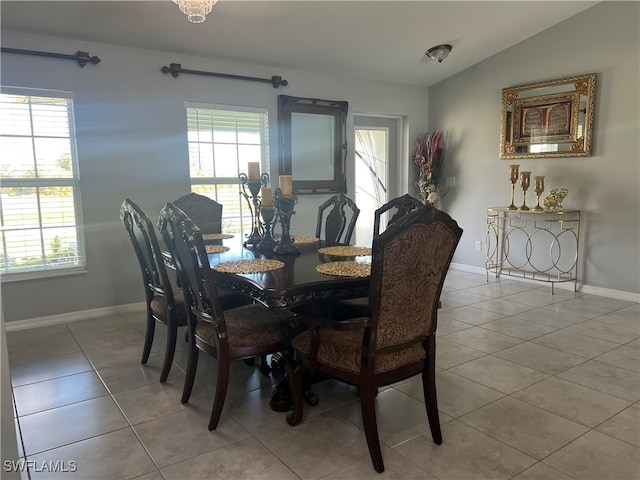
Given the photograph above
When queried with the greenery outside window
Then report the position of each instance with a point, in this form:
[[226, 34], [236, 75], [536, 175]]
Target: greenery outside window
[[222, 140], [41, 228]]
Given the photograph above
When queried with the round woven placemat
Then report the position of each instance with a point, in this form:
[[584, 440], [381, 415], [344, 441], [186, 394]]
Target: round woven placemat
[[256, 265], [345, 269], [345, 251], [216, 248], [298, 239], [216, 236]]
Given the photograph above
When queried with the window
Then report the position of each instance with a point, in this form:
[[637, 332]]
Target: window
[[222, 140], [41, 229]]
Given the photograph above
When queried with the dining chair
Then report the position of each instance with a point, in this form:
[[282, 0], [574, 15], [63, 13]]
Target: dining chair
[[398, 339], [357, 307], [403, 205], [237, 333], [336, 229], [205, 212], [163, 304]]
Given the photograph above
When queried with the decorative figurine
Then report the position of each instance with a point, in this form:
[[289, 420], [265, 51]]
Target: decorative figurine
[[553, 201]]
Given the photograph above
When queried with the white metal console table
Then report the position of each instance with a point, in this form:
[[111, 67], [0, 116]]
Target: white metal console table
[[540, 246]]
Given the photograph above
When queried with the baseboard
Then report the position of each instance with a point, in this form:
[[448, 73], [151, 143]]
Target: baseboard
[[582, 288], [72, 316], [105, 311]]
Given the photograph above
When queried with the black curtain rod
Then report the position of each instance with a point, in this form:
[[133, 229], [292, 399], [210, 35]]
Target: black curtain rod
[[81, 57], [175, 69]]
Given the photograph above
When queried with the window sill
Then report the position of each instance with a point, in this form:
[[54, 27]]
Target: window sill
[[41, 274]]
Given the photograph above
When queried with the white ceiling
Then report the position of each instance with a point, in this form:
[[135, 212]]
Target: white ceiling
[[379, 40]]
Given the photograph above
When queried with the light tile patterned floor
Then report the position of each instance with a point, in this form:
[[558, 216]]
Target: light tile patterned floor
[[531, 386]]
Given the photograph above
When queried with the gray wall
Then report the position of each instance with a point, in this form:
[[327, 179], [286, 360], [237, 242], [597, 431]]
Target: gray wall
[[605, 40], [132, 142], [131, 135]]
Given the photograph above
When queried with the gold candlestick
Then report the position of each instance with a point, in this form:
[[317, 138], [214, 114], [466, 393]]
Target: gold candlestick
[[513, 178], [538, 187], [525, 178]]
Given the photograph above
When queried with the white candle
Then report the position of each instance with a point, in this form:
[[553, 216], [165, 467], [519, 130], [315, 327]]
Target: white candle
[[254, 170], [286, 185], [267, 197]]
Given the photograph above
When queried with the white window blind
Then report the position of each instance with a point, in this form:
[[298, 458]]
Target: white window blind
[[222, 140], [39, 201]]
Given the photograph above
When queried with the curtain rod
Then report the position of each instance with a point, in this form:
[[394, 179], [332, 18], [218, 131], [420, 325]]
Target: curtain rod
[[175, 69], [81, 57]]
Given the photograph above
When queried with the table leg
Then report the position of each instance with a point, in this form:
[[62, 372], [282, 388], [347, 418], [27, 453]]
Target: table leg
[[281, 397]]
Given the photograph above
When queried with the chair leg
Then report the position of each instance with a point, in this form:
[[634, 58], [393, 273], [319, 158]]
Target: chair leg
[[368, 406], [148, 338], [169, 352], [192, 366], [222, 382], [429, 389], [295, 371], [265, 369]]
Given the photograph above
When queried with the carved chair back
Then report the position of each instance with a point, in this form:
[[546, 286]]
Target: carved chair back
[[336, 228], [403, 205], [184, 240], [145, 243], [203, 211], [410, 262]]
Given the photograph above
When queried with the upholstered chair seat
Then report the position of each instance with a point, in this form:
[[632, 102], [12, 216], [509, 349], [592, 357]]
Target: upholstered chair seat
[[159, 307], [248, 326], [343, 350]]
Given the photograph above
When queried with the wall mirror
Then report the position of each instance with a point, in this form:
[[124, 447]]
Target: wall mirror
[[313, 143], [548, 119]]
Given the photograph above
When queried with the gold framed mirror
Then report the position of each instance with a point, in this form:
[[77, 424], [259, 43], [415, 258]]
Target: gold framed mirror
[[313, 143], [548, 119]]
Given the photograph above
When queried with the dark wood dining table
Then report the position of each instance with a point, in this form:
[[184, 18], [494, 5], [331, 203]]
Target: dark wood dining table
[[297, 285]]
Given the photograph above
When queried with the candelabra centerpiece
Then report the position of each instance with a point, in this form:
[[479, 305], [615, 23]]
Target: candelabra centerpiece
[[284, 207], [267, 243], [253, 185]]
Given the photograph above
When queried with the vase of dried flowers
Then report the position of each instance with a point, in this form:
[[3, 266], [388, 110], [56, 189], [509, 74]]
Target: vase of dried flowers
[[430, 162]]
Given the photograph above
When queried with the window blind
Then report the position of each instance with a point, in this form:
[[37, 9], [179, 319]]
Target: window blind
[[39, 201], [221, 142]]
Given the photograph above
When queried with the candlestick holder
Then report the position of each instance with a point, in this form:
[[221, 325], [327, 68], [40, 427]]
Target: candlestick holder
[[513, 178], [267, 243], [284, 207], [525, 178], [538, 188], [254, 204]]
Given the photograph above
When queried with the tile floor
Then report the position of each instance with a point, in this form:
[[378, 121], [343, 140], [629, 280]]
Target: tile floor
[[530, 386]]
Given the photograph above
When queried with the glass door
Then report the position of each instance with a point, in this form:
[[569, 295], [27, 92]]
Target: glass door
[[375, 169]]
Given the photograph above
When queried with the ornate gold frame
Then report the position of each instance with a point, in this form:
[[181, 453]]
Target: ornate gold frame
[[579, 90]]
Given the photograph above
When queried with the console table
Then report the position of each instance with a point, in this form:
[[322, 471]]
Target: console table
[[536, 245]]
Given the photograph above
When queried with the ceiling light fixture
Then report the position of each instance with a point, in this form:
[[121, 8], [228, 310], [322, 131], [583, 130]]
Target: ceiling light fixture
[[195, 10], [439, 52]]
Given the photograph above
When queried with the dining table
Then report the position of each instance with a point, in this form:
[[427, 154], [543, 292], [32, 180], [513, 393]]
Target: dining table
[[297, 282], [293, 281]]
